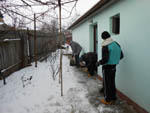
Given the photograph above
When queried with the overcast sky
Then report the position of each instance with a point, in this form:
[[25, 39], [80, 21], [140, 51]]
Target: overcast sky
[[84, 5], [81, 7]]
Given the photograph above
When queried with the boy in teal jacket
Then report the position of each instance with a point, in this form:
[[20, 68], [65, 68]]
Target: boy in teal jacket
[[111, 55]]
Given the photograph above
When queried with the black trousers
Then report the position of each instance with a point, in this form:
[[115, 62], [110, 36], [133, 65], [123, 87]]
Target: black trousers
[[92, 68], [109, 72], [77, 59]]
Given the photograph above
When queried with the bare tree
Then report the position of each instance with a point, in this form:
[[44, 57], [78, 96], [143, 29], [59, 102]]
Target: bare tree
[[50, 28], [73, 18], [54, 64], [26, 9]]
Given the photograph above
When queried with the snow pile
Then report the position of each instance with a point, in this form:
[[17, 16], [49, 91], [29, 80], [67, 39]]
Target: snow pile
[[5, 40]]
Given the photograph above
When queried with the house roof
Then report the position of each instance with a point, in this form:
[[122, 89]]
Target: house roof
[[96, 7]]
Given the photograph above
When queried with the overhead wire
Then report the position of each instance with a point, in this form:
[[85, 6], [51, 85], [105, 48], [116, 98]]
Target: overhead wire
[[71, 10], [26, 4]]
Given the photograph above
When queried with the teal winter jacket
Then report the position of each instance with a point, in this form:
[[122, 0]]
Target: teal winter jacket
[[111, 54]]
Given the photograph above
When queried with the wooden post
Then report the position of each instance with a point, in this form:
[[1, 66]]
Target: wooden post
[[29, 46], [59, 3], [3, 77], [35, 47]]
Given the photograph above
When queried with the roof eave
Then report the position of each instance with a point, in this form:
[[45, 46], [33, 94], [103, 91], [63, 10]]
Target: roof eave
[[99, 6]]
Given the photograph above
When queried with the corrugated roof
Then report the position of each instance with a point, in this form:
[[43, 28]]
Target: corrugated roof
[[97, 6]]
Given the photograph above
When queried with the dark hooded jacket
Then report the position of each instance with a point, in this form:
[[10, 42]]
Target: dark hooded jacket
[[76, 48], [89, 58]]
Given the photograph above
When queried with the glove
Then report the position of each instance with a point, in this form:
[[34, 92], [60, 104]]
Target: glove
[[97, 64]]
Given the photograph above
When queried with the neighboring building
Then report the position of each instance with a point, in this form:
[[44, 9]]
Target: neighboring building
[[128, 21], [68, 35]]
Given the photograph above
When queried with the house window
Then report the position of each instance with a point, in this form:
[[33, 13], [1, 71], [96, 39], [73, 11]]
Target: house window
[[115, 24]]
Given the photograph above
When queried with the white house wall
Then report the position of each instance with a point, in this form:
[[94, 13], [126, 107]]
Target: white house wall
[[82, 36], [133, 72]]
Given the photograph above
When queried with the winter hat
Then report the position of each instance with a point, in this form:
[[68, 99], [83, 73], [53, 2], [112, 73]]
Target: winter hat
[[105, 35]]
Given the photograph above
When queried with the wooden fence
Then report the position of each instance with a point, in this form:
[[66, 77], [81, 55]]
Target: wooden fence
[[19, 52], [10, 56]]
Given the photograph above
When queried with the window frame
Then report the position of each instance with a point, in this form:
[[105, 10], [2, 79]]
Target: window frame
[[115, 24]]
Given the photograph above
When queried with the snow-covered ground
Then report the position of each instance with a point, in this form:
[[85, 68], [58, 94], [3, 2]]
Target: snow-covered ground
[[33, 90]]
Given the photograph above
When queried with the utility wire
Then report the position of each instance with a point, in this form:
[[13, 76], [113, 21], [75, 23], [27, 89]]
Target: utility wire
[[26, 4]]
